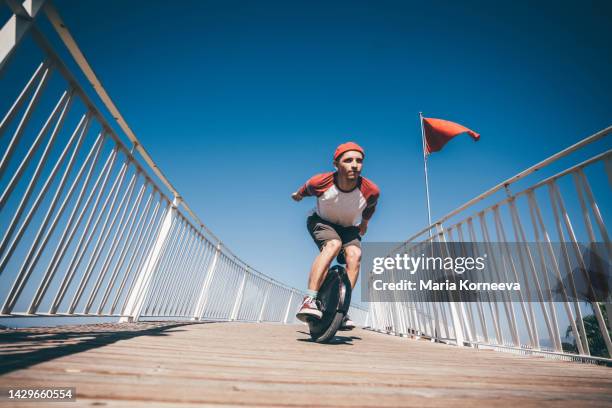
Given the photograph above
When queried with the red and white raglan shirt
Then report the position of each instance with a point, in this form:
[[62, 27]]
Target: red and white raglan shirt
[[345, 208]]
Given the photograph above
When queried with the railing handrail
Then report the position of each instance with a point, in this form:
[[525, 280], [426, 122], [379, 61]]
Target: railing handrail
[[29, 13], [74, 50], [133, 278], [62, 30], [498, 321]]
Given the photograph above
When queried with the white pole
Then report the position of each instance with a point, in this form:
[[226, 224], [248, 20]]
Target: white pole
[[239, 296], [426, 180], [288, 307], [203, 299], [136, 300]]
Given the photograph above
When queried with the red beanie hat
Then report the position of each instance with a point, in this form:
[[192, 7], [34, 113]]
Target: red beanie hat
[[345, 147]]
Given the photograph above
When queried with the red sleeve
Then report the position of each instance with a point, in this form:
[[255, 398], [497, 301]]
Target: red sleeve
[[317, 185], [371, 193]]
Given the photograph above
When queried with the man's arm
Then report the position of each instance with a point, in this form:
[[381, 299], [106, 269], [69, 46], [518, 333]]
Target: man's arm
[[315, 186], [372, 193], [363, 227], [370, 208], [365, 217]]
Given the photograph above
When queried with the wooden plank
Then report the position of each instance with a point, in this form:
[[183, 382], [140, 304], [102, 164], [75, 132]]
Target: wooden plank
[[246, 364]]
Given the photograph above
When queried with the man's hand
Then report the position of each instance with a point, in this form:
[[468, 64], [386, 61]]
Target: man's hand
[[296, 196], [363, 227]]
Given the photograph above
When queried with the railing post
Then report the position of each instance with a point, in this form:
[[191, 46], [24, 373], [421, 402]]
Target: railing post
[[144, 277], [238, 301], [263, 304], [203, 299], [17, 26], [455, 314], [288, 307]]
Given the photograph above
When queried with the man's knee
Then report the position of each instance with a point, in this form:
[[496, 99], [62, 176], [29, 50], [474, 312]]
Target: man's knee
[[332, 246], [352, 254]]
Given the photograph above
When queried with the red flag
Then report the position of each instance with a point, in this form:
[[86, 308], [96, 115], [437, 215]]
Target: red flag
[[438, 132]]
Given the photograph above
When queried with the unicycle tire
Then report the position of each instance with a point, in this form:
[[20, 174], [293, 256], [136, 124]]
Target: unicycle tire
[[331, 330], [334, 299]]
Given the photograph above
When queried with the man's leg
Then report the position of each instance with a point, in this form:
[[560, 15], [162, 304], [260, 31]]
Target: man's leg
[[318, 271], [329, 242], [352, 253], [309, 307]]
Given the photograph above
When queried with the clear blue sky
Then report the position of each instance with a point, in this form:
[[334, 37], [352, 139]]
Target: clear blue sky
[[239, 102]]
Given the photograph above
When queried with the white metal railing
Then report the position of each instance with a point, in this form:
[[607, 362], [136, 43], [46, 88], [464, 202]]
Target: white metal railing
[[90, 224], [561, 208]]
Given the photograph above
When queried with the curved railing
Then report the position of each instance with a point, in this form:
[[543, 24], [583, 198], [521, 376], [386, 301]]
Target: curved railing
[[90, 224], [561, 208]]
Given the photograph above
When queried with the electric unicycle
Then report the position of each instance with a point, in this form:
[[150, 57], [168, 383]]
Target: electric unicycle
[[334, 300]]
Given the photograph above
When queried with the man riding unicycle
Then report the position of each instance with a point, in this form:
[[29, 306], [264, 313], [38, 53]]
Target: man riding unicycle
[[345, 204]]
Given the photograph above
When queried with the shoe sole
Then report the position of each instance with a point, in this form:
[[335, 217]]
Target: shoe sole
[[305, 316]]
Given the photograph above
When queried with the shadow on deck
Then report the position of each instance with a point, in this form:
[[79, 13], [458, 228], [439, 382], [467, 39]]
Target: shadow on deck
[[22, 348]]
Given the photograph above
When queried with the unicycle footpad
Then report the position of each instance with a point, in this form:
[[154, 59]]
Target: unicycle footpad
[[335, 299]]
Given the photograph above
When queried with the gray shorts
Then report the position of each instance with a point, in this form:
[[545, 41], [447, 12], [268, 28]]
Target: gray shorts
[[322, 231]]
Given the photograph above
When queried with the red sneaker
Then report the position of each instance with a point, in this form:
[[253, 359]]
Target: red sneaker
[[309, 309]]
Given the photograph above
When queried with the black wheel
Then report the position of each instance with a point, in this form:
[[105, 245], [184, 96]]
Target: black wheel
[[331, 330], [334, 299]]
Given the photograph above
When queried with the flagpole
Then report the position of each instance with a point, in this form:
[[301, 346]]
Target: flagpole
[[425, 163]]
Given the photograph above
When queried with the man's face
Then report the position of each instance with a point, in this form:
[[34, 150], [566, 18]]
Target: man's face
[[349, 165]]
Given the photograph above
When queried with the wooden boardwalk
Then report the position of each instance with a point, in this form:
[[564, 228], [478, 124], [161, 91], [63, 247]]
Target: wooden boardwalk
[[245, 364]]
